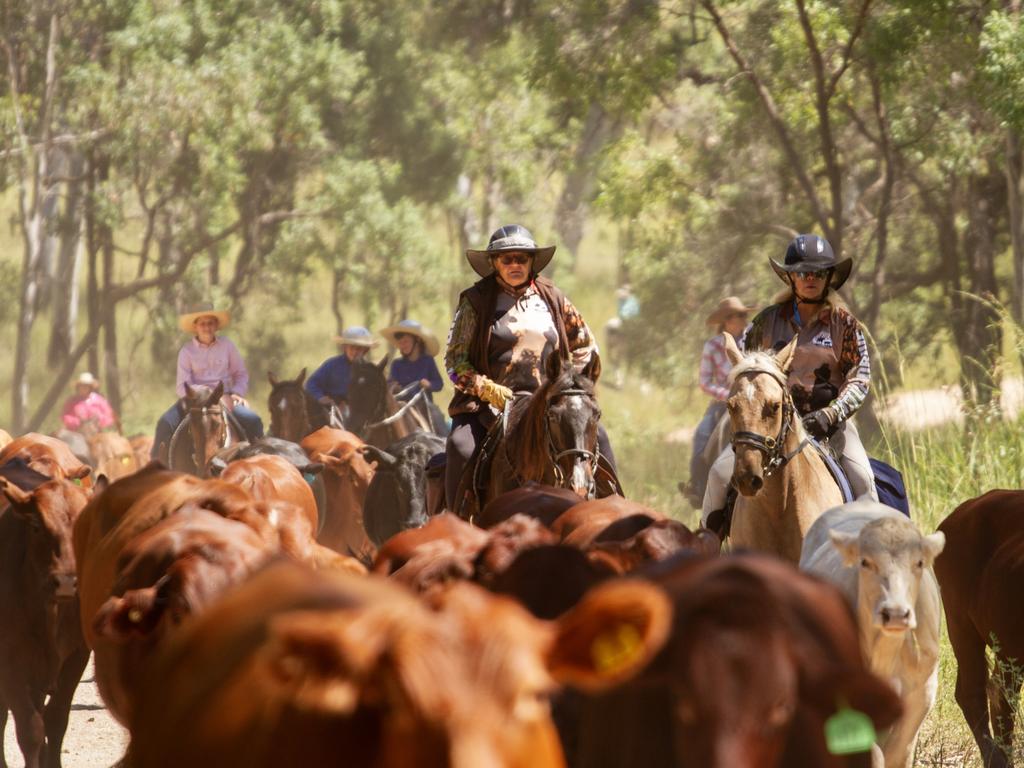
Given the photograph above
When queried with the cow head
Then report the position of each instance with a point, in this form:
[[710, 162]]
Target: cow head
[[49, 512], [174, 570], [465, 682], [891, 557], [47, 455]]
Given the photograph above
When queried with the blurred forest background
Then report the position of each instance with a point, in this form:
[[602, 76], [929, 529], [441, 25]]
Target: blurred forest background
[[321, 163]]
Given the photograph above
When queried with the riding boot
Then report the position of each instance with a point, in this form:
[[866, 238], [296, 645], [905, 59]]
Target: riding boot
[[719, 521]]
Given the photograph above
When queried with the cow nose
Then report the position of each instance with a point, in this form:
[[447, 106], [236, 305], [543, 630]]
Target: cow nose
[[896, 617], [64, 585]]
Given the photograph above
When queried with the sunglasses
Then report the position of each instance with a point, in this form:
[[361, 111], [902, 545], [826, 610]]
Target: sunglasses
[[508, 259], [821, 274]]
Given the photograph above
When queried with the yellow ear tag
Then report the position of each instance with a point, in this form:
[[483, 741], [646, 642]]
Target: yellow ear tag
[[126, 459], [613, 650], [849, 732]]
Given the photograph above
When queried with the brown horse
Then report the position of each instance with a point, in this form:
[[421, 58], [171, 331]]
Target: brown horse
[[294, 413], [374, 413], [550, 437], [783, 488], [206, 429]]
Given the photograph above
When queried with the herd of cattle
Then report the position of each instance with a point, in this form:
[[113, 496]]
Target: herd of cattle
[[305, 608]]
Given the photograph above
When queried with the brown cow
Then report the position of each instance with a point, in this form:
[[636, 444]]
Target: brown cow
[[347, 477], [299, 668], [41, 647], [446, 528], [46, 455], [142, 446], [544, 502], [269, 478], [113, 455], [981, 573], [580, 525], [760, 657], [658, 540]]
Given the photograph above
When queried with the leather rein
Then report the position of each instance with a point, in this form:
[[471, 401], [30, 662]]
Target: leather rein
[[772, 447]]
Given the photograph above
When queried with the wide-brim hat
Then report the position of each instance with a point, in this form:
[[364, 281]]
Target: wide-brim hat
[[187, 320], [412, 328], [357, 336], [88, 379], [727, 306], [810, 253], [511, 237]]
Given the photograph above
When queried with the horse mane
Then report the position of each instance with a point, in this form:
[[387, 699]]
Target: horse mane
[[531, 452], [758, 362]]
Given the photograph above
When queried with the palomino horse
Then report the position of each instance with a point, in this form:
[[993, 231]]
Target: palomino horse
[[206, 429], [374, 413], [294, 413], [549, 437], [783, 488]]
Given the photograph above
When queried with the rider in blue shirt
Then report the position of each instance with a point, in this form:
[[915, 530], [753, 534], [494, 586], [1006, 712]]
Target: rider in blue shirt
[[417, 346], [329, 382]]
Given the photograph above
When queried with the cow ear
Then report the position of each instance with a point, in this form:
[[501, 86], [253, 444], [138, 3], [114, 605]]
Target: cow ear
[[14, 494], [383, 458], [848, 545], [784, 357], [313, 468], [613, 632], [272, 378], [322, 661], [81, 473], [932, 546], [732, 350], [137, 612]]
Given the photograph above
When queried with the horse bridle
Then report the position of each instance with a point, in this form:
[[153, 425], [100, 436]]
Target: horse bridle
[[593, 457], [772, 447], [212, 410]]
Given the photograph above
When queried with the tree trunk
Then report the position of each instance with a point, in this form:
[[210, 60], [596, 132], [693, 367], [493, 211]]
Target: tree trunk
[[65, 285], [111, 369], [982, 333], [1014, 211], [92, 249], [337, 289], [599, 130]]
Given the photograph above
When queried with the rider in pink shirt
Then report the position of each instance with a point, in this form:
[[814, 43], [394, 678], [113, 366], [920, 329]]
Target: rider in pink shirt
[[87, 405]]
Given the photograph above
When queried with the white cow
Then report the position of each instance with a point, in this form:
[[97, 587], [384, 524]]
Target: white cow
[[883, 565]]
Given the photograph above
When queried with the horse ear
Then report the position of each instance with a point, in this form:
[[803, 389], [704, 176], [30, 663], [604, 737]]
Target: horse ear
[[732, 350], [218, 392], [592, 369], [189, 392], [272, 378], [302, 377], [383, 364], [785, 356], [553, 365]]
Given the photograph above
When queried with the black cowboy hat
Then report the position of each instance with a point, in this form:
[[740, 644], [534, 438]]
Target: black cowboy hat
[[511, 237], [810, 253]]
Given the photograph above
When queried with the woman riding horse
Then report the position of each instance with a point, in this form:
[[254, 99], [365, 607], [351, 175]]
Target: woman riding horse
[[830, 372], [504, 328], [329, 383], [417, 347], [208, 360]]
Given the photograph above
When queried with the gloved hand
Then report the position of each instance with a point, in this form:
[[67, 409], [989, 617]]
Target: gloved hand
[[494, 393], [819, 423]]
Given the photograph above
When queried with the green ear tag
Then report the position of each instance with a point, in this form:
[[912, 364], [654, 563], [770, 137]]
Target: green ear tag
[[849, 732]]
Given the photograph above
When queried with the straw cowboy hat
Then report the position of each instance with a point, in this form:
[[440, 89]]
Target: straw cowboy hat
[[187, 320], [412, 328], [357, 336], [810, 253], [727, 306], [86, 378], [511, 237]]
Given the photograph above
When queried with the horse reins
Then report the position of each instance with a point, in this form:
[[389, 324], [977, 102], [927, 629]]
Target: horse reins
[[389, 420], [592, 457], [772, 447]]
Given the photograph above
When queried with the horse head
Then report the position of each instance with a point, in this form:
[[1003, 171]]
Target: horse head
[[367, 395], [207, 423], [761, 411], [287, 403], [563, 417]]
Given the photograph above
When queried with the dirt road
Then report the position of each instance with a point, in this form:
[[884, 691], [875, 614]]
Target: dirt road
[[94, 739]]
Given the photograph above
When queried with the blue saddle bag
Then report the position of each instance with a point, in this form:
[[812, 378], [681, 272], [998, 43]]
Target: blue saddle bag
[[890, 487]]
